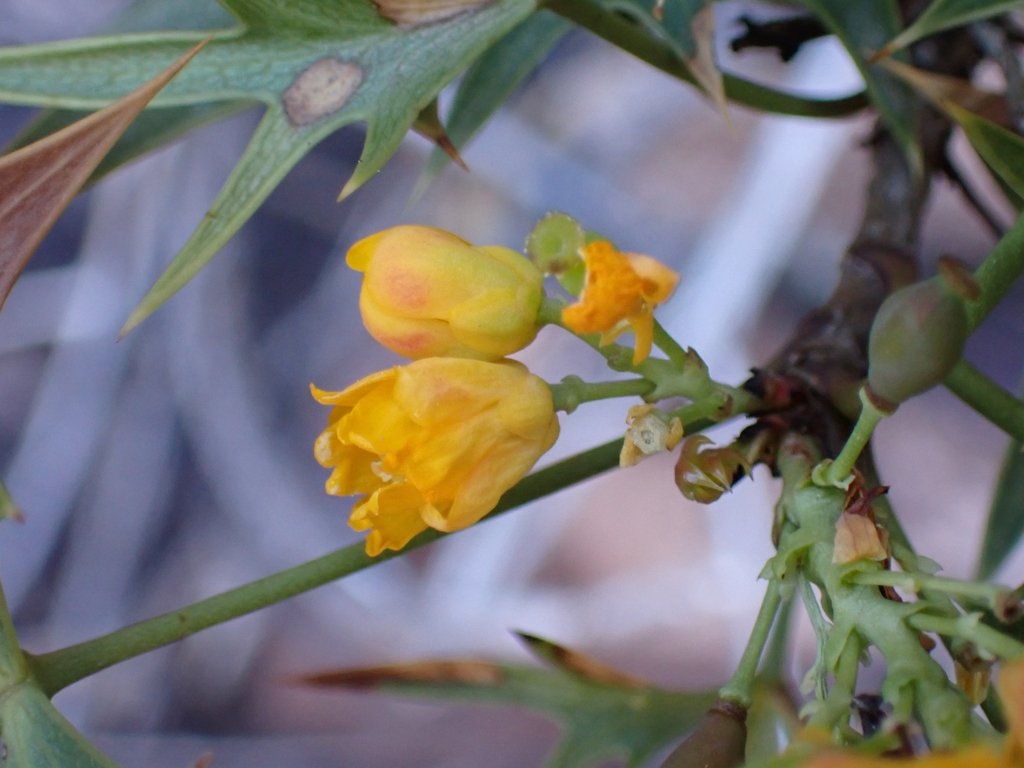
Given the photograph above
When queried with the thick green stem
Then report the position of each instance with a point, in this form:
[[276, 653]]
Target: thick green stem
[[740, 688], [987, 398], [838, 472], [1000, 270], [632, 38], [56, 670]]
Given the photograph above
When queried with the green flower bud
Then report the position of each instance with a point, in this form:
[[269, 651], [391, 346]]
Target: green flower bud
[[917, 337], [718, 741], [555, 242]]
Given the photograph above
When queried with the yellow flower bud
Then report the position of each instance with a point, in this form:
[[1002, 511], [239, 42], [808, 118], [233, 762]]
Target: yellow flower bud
[[433, 443], [620, 293], [428, 293]]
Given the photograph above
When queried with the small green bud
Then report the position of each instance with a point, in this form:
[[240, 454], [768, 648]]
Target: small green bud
[[554, 243], [917, 337], [718, 741]]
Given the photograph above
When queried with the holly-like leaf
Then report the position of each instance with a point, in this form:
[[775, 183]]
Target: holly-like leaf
[[492, 79], [945, 14], [1006, 516], [603, 713], [863, 28], [40, 180], [317, 65]]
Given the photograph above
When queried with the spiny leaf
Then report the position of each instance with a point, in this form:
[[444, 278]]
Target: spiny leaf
[[318, 65], [1006, 516], [492, 79], [863, 28], [428, 124], [41, 179], [35, 734], [603, 713], [945, 14]]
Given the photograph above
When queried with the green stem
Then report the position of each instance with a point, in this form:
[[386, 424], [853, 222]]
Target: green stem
[[969, 627], [740, 688], [632, 38], [1000, 270], [987, 398], [573, 391], [835, 710], [56, 670], [990, 595], [667, 344], [773, 667], [838, 471]]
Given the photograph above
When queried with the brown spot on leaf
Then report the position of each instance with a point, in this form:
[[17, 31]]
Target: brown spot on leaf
[[324, 87], [416, 13]]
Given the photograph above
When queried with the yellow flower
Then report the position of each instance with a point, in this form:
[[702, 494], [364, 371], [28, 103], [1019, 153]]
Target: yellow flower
[[433, 443], [428, 293], [980, 755], [620, 293]]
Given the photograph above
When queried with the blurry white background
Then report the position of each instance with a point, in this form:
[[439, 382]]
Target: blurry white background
[[177, 463]]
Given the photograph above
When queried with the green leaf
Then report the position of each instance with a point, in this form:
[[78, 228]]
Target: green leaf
[[318, 65], [864, 27], [1006, 516], [648, 45], [603, 714], [35, 734], [1001, 149], [152, 129], [492, 79], [944, 14]]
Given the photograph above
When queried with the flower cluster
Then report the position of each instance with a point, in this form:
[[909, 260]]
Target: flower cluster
[[435, 443]]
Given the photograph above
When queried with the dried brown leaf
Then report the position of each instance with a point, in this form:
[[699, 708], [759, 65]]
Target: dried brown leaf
[[857, 538], [39, 181], [578, 663], [467, 672], [702, 64], [943, 89]]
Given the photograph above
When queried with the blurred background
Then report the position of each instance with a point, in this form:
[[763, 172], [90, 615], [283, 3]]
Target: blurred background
[[178, 463]]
